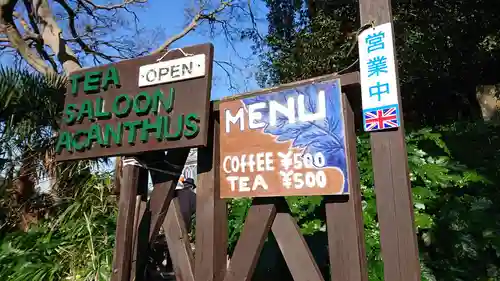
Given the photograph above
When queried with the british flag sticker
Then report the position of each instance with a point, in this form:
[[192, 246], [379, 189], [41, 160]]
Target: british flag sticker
[[381, 118]]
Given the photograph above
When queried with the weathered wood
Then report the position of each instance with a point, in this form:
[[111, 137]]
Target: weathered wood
[[392, 184], [255, 230], [140, 205], [165, 173], [178, 243], [211, 212], [125, 224], [345, 80], [345, 218], [294, 247]]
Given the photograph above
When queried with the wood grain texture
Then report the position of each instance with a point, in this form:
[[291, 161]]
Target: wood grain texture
[[125, 224], [140, 206], [345, 218], [392, 184], [178, 243], [253, 235], [165, 174], [211, 212], [294, 248]]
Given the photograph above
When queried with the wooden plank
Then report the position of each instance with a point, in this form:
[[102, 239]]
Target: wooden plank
[[178, 243], [165, 172], [125, 224], [392, 185], [345, 218], [255, 230], [294, 247], [211, 212], [140, 206], [345, 79]]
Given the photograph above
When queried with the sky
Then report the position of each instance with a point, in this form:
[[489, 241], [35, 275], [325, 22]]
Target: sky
[[169, 15]]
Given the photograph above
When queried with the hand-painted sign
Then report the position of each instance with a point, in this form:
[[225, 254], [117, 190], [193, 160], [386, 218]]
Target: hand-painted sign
[[284, 143], [107, 114], [378, 78]]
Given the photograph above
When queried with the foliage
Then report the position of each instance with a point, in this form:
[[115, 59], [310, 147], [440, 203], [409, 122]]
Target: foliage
[[433, 175], [76, 244], [445, 50]]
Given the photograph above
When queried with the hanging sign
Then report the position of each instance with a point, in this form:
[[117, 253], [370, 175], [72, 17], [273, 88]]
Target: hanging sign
[[119, 109], [284, 143], [169, 71], [378, 78]]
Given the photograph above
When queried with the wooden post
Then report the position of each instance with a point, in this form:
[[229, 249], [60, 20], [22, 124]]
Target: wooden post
[[344, 217], [125, 225], [392, 183], [211, 211]]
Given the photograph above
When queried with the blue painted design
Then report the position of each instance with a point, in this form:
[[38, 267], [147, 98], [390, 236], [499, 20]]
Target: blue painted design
[[325, 136]]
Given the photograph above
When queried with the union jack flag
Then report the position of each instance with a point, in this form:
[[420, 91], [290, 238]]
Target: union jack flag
[[381, 118]]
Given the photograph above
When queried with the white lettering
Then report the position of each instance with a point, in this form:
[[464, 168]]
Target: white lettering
[[255, 117], [298, 179], [234, 119], [259, 182], [251, 163], [319, 159], [243, 184], [225, 164], [269, 161], [232, 180], [243, 163], [320, 108], [260, 162], [235, 164], [321, 179], [288, 111], [310, 179]]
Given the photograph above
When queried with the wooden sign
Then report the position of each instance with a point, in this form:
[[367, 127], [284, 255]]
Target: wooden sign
[[284, 143], [155, 102]]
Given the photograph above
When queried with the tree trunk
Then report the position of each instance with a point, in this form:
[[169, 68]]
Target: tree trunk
[[488, 99]]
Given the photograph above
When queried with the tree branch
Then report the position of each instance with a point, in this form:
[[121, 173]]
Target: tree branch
[[197, 19], [15, 38], [52, 36], [74, 33], [114, 6]]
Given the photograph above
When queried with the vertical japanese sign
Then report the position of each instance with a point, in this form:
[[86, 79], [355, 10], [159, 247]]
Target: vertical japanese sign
[[378, 78], [284, 143]]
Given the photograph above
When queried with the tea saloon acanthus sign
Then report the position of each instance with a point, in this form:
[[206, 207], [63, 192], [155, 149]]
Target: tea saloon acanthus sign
[[155, 102]]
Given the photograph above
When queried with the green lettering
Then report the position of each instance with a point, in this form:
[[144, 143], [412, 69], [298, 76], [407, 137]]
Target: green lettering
[[167, 102], [63, 141], [99, 110], [132, 127], [74, 83], [94, 135], [77, 144], [112, 133], [192, 127], [116, 105], [71, 114], [86, 110], [148, 126], [91, 81], [110, 77], [146, 107], [178, 133]]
